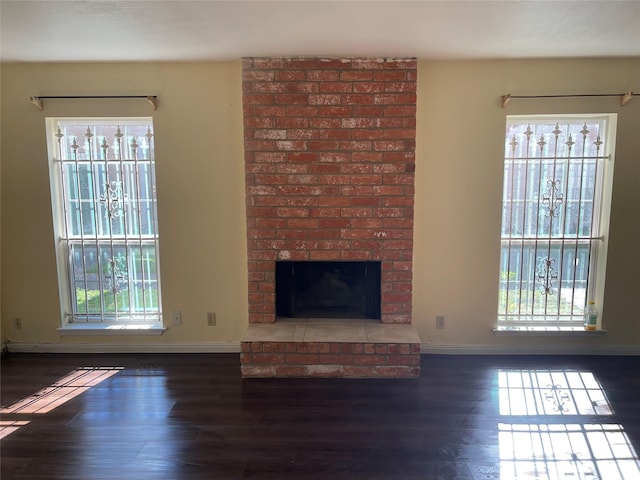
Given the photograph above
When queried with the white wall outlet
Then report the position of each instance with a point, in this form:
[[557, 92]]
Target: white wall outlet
[[440, 322], [211, 319], [176, 317], [17, 323]]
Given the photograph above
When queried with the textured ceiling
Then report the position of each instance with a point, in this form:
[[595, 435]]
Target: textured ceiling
[[95, 30]]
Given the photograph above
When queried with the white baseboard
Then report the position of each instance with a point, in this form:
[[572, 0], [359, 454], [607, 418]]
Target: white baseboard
[[234, 347], [212, 347], [530, 349]]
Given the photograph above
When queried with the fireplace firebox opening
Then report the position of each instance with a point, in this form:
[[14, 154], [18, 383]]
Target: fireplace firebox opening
[[340, 289]]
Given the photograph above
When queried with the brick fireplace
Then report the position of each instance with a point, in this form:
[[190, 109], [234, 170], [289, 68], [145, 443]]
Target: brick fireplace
[[329, 162]]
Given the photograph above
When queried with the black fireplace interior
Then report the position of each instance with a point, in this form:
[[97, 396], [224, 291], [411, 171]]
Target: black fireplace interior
[[328, 289]]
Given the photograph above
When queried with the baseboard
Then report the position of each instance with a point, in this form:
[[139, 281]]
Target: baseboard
[[622, 350], [234, 347], [213, 347]]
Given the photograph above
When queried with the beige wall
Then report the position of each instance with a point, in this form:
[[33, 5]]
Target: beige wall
[[459, 187], [200, 171], [200, 185]]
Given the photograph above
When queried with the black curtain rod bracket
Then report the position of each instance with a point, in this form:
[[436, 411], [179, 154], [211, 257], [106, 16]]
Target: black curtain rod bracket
[[624, 97], [37, 100]]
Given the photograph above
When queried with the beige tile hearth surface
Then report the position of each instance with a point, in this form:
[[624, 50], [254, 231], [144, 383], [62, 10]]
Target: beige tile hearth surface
[[330, 330]]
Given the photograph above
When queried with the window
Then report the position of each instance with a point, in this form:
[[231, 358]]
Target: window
[[555, 210], [104, 203]]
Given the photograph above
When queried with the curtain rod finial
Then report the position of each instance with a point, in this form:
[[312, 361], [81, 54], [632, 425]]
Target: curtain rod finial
[[505, 99], [625, 98], [153, 101], [37, 102]]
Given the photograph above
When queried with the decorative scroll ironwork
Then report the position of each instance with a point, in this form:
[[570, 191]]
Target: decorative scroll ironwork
[[546, 275], [553, 198], [115, 275], [114, 199]]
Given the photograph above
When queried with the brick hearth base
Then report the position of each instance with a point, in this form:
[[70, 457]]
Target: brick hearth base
[[330, 348]]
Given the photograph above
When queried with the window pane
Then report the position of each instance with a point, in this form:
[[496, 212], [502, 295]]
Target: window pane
[[550, 215], [106, 180]]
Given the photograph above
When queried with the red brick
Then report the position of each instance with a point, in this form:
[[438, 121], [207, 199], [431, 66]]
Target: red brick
[[400, 87], [356, 255], [325, 223], [404, 359], [367, 156], [289, 371], [362, 122], [357, 99], [324, 99], [302, 134], [400, 111], [257, 99], [303, 223], [290, 145], [356, 75], [325, 168], [259, 122], [336, 134], [320, 145], [302, 87], [298, 157], [399, 133], [257, 75], [336, 87], [322, 75], [267, 63], [334, 111], [368, 87], [301, 358], [369, 359], [349, 168], [291, 168], [390, 76], [366, 223], [301, 111], [292, 122], [401, 63], [267, 87], [368, 63], [270, 157], [368, 134], [324, 255], [361, 145], [324, 122], [386, 145], [307, 347], [292, 99]]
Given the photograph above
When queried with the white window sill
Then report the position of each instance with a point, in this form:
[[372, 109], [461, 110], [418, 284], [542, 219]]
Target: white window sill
[[547, 332], [98, 329]]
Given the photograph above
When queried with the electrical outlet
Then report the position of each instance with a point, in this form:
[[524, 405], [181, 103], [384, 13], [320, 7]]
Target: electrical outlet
[[17, 323], [440, 322], [176, 317], [211, 319]]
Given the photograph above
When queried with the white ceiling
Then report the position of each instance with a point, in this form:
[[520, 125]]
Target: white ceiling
[[184, 30]]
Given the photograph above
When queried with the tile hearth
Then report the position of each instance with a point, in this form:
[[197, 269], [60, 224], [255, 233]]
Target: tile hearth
[[329, 347]]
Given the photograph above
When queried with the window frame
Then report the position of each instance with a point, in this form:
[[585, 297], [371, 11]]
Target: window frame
[[127, 322], [509, 322]]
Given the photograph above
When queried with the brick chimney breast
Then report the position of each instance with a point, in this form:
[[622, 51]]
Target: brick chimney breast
[[329, 163]]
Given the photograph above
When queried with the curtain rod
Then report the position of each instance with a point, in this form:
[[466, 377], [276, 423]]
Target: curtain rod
[[37, 100], [624, 97]]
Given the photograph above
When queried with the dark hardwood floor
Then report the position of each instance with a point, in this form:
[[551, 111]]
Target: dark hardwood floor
[[189, 417]]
